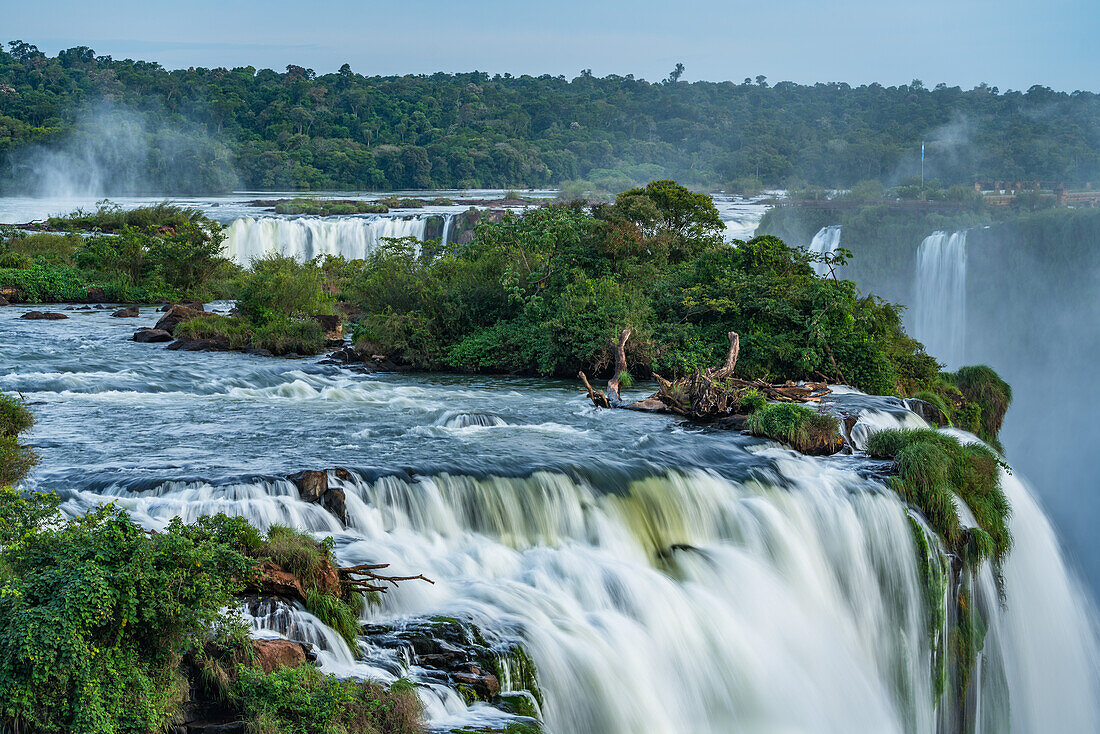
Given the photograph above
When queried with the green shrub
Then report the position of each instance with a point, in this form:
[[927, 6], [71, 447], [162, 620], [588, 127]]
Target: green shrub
[[751, 401], [286, 336], [280, 287], [805, 429], [95, 616], [14, 416], [235, 332], [16, 460]]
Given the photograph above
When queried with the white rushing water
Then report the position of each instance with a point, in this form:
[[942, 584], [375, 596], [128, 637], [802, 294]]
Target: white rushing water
[[661, 580], [825, 242], [791, 601], [304, 238], [939, 313]]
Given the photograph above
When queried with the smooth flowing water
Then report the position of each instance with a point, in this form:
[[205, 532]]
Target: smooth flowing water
[[939, 310], [824, 242], [661, 578]]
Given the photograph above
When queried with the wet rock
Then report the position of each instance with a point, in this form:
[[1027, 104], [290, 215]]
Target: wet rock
[[275, 654], [312, 484], [95, 295], [195, 306], [199, 345], [11, 294], [43, 316], [3, 301], [177, 315], [256, 352], [147, 336], [927, 411], [456, 653], [127, 313], [335, 502]]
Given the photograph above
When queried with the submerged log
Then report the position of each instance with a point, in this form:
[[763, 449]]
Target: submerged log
[[704, 396]]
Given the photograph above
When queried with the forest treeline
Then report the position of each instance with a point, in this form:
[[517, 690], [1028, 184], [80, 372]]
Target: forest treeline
[[119, 125]]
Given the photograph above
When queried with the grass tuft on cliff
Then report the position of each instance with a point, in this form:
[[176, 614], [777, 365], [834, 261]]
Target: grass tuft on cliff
[[934, 471]]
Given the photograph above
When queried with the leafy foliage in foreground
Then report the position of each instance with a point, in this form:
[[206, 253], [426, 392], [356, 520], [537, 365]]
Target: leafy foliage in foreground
[[103, 624], [545, 293], [16, 459], [934, 470]]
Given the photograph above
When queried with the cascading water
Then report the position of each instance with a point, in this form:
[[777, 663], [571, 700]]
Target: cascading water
[[939, 313], [824, 242], [660, 580], [304, 238]]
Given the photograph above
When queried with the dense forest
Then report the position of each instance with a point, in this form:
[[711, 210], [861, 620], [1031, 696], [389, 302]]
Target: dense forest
[[109, 126]]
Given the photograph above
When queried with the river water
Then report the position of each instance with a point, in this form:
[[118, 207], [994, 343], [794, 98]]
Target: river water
[[661, 578]]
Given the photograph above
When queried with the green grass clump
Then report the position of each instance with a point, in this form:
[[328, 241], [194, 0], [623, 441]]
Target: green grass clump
[[303, 700], [933, 469], [110, 217], [329, 207], [751, 400], [336, 613], [234, 331], [290, 336], [805, 429]]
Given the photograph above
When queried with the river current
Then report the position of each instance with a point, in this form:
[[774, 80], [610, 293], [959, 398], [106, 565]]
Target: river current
[[661, 578]]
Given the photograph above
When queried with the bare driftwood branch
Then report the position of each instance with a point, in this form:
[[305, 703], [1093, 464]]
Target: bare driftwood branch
[[619, 350], [705, 395], [372, 581]]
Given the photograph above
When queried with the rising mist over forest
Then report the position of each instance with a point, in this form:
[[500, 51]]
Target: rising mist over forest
[[254, 128]]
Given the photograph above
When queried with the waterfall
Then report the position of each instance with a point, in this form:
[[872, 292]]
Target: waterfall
[[789, 602], [939, 313], [305, 238], [825, 242], [448, 222]]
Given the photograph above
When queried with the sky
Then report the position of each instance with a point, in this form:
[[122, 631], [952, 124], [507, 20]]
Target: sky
[[1011, 44]]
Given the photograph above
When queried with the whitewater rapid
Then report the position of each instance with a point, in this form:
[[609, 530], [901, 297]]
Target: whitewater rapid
[[662, 579]]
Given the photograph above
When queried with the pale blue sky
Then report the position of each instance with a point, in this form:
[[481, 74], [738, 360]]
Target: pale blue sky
[[1007, 43]]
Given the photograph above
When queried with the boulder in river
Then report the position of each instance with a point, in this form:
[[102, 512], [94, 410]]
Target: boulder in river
[[127, 313], [177, 315], [95, 295], [3, 301], [11, 294], [147, 336], [200, 345], [313, 486], [43, 316]]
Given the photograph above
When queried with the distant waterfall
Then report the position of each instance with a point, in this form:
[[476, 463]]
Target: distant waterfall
[[939, 313], [825, 242], [305, 238]]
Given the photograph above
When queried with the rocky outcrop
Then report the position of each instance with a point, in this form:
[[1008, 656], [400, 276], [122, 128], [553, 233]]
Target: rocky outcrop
[[127, 313], [43, 316], [313, 486], [273, 580], [10, 294], [147, 336], [333, 326], [177, 315], [3, 301], [274, 654], [95, 295], [358, 360], [200, 345], [455, 653]]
